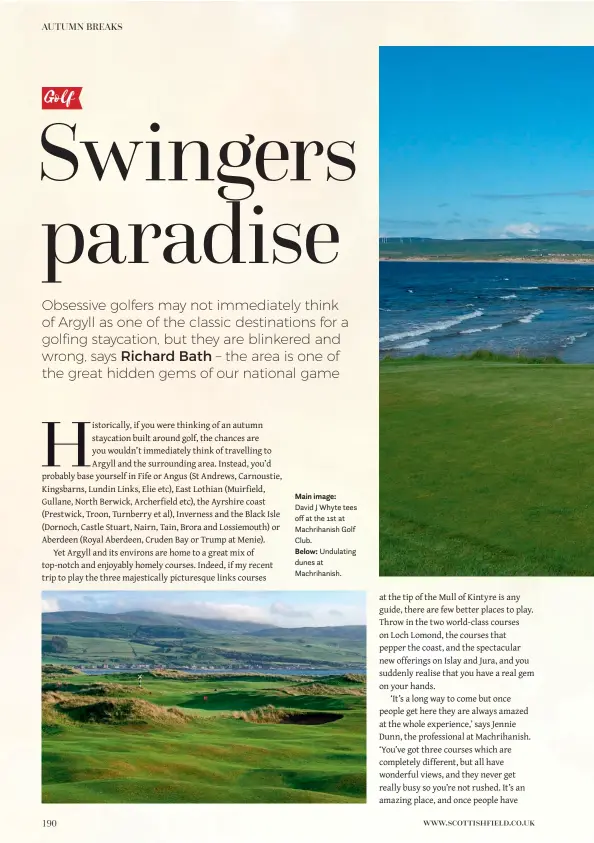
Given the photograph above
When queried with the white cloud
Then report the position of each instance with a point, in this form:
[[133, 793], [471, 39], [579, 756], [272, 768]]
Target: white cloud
[[288, 611], [522, 229], [215, 611], [555, 230], [282, 613], [277, 613]]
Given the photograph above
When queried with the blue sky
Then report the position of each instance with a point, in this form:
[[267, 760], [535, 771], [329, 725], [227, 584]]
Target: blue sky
[[282, 608], [486, 142]]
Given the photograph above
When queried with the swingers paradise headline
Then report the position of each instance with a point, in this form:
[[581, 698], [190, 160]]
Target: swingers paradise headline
[[235, 168]]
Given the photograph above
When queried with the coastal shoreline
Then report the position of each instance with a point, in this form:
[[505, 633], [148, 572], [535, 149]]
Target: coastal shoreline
[[577, 262], [514, 308]]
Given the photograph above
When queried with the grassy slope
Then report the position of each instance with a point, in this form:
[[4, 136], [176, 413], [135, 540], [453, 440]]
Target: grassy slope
[[323, 654], [100, 638], [100, 649], [212, 758], [527, 249], [486, 469]]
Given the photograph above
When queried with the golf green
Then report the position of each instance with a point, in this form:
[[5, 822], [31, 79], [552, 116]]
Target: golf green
[[486, 468]]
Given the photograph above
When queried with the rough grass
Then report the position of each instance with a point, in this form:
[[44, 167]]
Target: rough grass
[[59, 670], [168, 673], [163, 673], [486, 468], [127, 712], [264, 714], [318, 689], [352, 677], [270, 714], [85, 709], [481, 354], [96, 689]]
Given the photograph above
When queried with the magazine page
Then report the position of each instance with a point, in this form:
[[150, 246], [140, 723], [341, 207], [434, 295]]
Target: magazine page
[[299, 338]]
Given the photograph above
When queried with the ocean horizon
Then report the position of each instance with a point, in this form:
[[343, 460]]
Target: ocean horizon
[[449, 308]]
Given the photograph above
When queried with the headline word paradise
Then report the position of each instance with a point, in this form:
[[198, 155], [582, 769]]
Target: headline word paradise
[[236, 169]]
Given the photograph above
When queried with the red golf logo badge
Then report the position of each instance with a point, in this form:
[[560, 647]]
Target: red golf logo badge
[[54, 98]]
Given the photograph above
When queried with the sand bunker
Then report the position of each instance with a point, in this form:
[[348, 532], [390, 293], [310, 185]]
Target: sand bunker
[[269, 714], [313, 718]]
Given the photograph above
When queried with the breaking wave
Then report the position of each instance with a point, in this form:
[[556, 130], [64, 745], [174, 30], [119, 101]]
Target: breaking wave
[[408, 345], [480, 330], [572, 339], [432, 326], [526, 320]]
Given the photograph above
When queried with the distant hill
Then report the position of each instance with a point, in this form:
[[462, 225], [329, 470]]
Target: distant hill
[[521, 249], [152, 618], [154, 638], [343, 633]]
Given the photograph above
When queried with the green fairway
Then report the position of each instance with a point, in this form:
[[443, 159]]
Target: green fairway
[[203, 739], [486, 469]]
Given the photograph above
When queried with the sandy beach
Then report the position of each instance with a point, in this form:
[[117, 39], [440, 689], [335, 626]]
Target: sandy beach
[[445, 259]]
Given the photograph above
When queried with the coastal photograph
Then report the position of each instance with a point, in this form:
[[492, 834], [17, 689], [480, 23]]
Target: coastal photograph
[[203, 697], [486, 345]]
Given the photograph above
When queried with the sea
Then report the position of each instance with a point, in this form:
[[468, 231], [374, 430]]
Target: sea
[[454, 308]]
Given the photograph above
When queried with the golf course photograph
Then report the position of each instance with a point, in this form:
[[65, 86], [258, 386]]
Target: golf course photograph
[[203, 697], [486, 312]]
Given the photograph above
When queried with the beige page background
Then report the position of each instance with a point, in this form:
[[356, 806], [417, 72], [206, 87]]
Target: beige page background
[[280, 71]]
